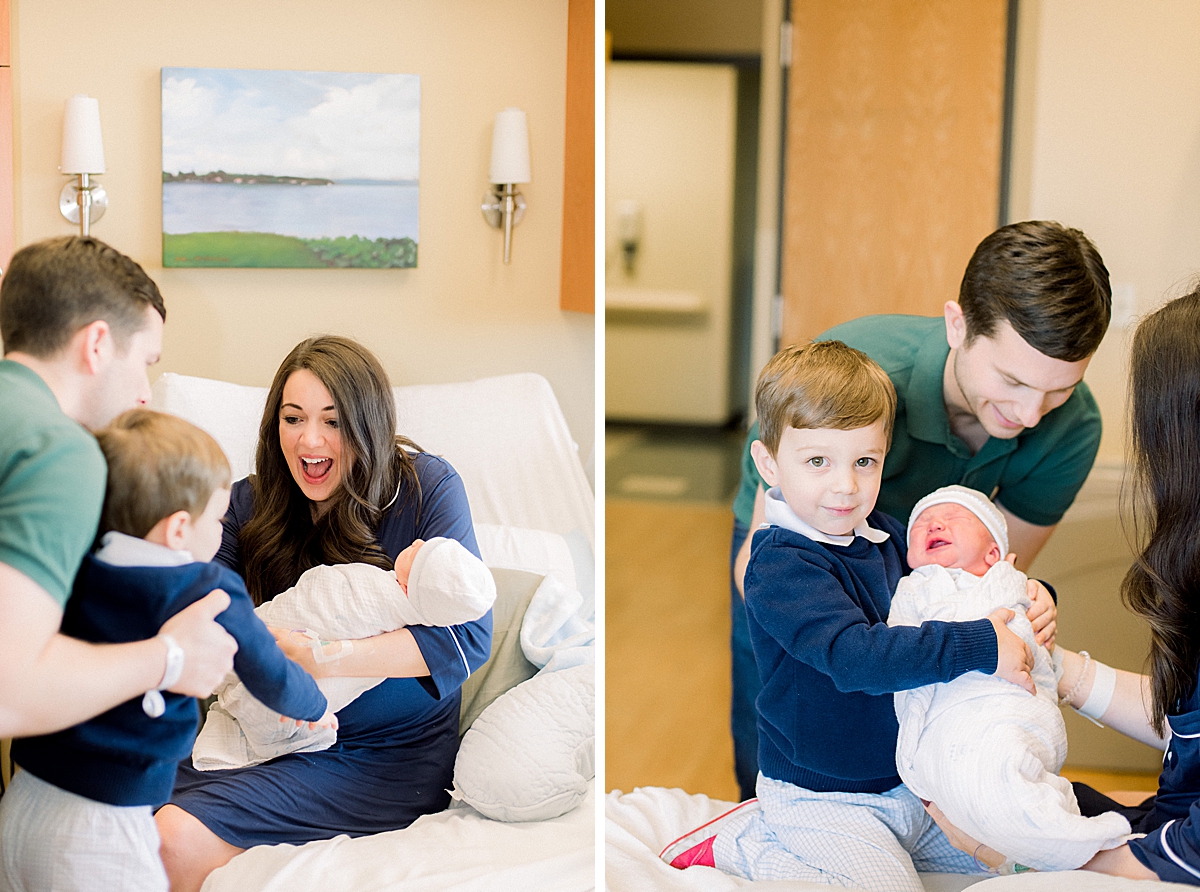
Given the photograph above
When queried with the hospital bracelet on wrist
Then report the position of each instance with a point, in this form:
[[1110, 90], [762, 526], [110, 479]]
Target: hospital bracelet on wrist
[[1067, 700], [174, 667], [153, 703]]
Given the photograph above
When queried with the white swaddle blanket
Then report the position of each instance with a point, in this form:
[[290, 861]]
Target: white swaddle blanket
[[447, 585], [984, 750]]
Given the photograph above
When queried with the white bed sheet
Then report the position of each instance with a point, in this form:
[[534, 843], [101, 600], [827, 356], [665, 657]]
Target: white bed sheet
[[457, 850], [639, 825]]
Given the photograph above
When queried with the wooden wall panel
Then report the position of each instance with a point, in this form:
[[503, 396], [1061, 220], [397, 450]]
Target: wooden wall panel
[[578, 286], [893, 155]]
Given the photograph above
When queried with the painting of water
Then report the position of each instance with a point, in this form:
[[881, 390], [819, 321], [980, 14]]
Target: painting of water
[[290, 168]]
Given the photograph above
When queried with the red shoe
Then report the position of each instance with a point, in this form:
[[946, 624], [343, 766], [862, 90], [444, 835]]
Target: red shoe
[[696, 848]]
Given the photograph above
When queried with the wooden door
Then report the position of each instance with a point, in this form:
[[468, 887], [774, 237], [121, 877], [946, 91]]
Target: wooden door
[[577, 289], [892, 166]]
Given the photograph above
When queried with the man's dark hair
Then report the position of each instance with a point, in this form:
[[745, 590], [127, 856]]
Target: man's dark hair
[[1048, 281], [55, 287]]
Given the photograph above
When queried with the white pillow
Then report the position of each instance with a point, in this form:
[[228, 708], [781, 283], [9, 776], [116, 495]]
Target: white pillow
[[534, 551], [530, 754]]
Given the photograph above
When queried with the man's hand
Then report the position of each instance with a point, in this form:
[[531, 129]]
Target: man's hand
[[1042, 614], [1014, 659], [208, 649]]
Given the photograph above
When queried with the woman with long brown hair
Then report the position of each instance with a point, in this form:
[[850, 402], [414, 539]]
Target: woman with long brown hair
[[335, 484], [1161, 709]]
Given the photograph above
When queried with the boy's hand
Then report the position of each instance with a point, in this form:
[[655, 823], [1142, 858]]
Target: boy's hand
[[1014, 659], [1042, 613], [329, 720]]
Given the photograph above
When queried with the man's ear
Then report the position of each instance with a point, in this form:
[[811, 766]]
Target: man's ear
[[765, 462], [95, 343], [956, 324]]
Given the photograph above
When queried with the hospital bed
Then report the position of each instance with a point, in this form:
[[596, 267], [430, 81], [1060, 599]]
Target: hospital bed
[[525, 813]]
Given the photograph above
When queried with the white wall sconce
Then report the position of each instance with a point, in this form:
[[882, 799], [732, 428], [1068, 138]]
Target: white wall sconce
[[82, 202], [504, 206]]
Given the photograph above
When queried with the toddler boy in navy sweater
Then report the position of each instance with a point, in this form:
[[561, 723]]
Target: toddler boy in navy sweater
[[830, 805], [82, 818]]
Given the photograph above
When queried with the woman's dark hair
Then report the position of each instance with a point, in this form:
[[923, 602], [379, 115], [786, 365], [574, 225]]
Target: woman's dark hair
[[1047, 281], [1163, 585], [282, 539]]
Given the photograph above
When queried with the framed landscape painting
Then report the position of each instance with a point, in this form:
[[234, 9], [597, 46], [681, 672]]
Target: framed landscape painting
[[289, 168]]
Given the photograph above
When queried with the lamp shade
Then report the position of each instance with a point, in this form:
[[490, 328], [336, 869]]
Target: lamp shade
[[82, 148], [510, 147]]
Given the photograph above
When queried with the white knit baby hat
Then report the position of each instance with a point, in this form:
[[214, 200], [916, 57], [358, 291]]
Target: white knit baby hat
[[975, 502], [448, 584]]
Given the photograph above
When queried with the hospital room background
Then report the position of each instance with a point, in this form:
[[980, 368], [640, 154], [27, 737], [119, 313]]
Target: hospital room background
[[1104, 136], [462, 313], [1088, 111]]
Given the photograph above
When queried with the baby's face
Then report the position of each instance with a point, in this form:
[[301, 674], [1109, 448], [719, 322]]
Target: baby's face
[[404, 562], [951, 536]]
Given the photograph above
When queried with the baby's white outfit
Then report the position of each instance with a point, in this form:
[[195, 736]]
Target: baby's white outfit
[[984, 750], [447, 585]]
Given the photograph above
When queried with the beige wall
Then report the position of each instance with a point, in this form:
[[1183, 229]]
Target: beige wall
[[1107, 139], [461, 314]]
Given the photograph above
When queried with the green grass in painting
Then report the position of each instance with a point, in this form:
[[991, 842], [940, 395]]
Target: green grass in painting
[[382, 253], [265, 249]]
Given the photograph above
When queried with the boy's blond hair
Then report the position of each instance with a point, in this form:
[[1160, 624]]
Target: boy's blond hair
[[157, 464], [823, 384]]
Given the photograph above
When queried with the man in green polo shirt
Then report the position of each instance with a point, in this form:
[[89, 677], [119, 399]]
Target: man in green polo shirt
[[81, 325], [990, 396]]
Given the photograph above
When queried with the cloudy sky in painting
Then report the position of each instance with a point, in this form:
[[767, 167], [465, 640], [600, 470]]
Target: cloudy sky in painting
[[291, 123]]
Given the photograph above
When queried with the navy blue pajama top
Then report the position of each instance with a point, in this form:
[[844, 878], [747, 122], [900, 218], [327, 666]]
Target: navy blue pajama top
[[394, 757]]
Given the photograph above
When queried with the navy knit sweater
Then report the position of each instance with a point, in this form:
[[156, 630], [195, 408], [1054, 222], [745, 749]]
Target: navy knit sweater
[[829, 663], [124, 757]]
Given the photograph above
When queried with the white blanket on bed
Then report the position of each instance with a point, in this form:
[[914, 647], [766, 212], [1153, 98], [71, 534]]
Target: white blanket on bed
[[457, 850], [986, 751], [447, 585]]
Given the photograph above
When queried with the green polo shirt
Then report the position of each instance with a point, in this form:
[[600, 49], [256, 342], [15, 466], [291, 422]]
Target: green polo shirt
[[52, 475], [1035, 475]]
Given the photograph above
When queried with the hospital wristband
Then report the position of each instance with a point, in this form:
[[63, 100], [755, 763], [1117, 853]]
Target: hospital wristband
[[174, 667], [153, 703], [1101, 694], [1069, 699]]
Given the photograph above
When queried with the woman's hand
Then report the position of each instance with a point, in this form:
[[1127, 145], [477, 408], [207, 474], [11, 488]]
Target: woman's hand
[[297, 646], [329, 720], [981, 853]]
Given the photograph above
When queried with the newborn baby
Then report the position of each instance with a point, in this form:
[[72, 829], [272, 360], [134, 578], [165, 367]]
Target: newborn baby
[[984, 750], [434, 583]]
